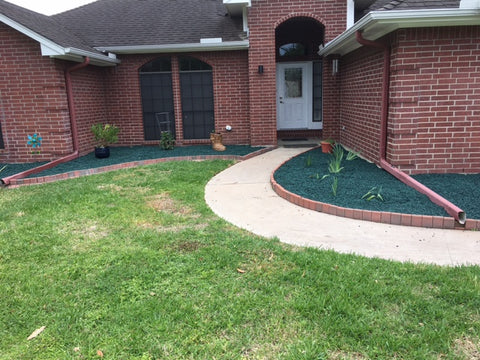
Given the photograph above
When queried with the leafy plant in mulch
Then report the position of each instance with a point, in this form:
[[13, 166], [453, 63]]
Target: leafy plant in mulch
[[167, 141], [375, 193], [335, 165]]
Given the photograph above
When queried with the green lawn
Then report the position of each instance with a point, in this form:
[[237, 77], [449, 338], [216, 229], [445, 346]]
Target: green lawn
[[132, 264]]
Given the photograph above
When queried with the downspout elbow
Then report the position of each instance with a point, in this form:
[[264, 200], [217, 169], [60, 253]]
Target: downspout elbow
[[453, 210], [73, 125]]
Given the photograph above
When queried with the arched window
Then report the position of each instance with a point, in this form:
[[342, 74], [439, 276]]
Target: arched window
[[292, 49], [157, 98], [196, 82]]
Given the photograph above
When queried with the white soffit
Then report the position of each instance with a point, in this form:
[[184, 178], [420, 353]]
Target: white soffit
[[235, 7], [379, 23]]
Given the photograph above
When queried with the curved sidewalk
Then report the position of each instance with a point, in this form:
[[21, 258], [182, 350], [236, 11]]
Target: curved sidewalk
[[242, 195]]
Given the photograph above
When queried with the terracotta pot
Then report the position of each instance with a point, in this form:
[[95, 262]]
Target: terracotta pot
[[216, 139], [327, 147]]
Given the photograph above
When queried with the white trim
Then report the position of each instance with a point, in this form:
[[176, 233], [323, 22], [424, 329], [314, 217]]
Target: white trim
[[469, 4], [192, 47], [350, 13], [307, 92], [379, 23], [52, 49], [235, 7]]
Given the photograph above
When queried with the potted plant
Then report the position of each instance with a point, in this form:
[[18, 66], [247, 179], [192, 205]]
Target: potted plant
[[105, 135], [216, 139], [327, 145]]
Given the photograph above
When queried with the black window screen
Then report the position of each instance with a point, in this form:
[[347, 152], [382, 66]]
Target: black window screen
[[157, 98], [196, 81], [1, 138], [317, 91]]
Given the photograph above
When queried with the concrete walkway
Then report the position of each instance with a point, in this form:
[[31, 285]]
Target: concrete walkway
[[243, 196]]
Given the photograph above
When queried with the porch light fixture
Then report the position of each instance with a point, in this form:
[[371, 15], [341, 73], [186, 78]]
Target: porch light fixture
[[260, 69], [334, 66]]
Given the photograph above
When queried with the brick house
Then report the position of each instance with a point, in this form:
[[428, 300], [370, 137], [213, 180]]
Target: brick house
[[396, 80]]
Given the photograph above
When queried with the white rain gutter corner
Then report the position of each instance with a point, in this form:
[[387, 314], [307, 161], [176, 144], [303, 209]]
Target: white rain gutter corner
[[376, 24]]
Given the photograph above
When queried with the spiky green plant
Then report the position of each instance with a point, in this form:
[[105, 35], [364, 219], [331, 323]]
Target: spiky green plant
[[375, 193], [352, 155]]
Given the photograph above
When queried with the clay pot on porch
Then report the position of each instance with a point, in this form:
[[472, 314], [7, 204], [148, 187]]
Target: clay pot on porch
[[216, 139], [327, 146]]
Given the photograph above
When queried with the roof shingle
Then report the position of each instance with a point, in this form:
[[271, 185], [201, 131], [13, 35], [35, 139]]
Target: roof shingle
[[382, 5], [43, 25], [151, 22]]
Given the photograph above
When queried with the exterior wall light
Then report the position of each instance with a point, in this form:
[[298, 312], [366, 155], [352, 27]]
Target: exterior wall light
[[335, 66]]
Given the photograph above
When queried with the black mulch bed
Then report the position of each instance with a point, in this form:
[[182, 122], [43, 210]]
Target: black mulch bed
[[359, 176], [120, 155]]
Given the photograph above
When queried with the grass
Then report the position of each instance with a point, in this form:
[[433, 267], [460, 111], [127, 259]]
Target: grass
[[132, 264]]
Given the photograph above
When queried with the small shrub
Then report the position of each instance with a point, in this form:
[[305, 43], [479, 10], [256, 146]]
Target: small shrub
[[167, 142], [335, 186], [105, 134], [352, 155], [308, 161], [375, 193]]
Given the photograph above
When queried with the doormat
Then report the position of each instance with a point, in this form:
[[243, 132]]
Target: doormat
[[303, 145], [295, 139]]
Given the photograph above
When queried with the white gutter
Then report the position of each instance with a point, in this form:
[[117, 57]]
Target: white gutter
[[52, 49], [170, 48], [376, 24]]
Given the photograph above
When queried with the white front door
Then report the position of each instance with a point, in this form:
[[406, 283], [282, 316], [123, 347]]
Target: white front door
[[294, 95]]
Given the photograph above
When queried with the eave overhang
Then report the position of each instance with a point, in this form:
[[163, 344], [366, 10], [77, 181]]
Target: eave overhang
[[176, 48], [376, 24], [235, 7], [54, 50]]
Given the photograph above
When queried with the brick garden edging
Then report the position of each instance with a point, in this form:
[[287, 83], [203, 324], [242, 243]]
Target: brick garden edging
[[14, 183], [392, 218]]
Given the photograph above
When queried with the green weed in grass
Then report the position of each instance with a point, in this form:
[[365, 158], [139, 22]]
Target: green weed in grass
[[134, 264]]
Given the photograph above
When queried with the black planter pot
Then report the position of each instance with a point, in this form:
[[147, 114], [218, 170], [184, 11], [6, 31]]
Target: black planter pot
[[102, 152]]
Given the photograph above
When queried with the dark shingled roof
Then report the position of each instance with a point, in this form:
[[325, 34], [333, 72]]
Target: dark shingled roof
[[412, 4], [151, 22], [43, 25]]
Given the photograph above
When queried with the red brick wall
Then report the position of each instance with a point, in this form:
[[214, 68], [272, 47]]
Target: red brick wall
[[32, 100], [264, 16], [435, 100], [358, 125], [89, 91], [230, 78], [434, 108]]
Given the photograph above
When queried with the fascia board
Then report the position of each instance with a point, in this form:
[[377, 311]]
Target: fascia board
[[50, 45], [379, 23], [52, 49], [193, 47], [99, 58]]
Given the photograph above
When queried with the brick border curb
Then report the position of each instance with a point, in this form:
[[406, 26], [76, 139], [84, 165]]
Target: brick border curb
[[426, 221], [15, 183]]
